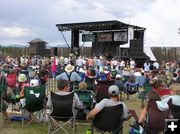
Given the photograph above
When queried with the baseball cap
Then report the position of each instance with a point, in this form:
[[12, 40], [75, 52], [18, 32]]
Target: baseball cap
[[113, 90]]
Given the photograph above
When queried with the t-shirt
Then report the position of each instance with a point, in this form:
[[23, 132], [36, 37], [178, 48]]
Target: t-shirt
[[175, 99], [109, 103]]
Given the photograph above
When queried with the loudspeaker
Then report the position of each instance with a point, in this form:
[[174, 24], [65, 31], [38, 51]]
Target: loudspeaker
[[55, 51], [136, 45]]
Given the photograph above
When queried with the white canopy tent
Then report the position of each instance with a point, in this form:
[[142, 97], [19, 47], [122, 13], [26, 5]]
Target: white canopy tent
[[148, 52]]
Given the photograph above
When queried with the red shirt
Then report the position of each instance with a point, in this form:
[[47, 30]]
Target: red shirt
[[163, 92]]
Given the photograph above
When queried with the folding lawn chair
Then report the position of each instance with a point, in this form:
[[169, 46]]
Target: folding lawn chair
[[90, 83], [135, 127], [109, 119], [101, 89], [155, 120], [143, 94], [85, 96], [62, 113], [131, 88], [35, 104], [175, 111], [2, 89], [11, 80]]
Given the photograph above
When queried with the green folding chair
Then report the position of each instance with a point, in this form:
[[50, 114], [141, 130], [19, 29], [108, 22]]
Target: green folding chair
[[2, 104], [143, 95], [35, 105], [87, 97]]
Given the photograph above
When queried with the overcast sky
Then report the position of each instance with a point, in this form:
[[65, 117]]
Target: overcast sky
[[24, 20]]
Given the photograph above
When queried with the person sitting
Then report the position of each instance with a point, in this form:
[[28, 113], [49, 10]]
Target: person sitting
[[22, 82], [120, 84], [102, 75], [33, 83], [113, 101], [154, 114], [84, 86], [175, 97], [90, 79], [69, 75], [64, 89], [131, 86], [157, 85]]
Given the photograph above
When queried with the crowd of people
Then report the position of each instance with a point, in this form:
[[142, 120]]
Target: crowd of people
[[164, 79]]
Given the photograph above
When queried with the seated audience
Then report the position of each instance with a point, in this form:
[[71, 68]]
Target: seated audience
[[113, 101], [149, 115], [64, 89], [158, 86]]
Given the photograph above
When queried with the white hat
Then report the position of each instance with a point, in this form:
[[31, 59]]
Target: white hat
[[113, 90], [69, 68], [22, 78], [118, 76], [34, 83]]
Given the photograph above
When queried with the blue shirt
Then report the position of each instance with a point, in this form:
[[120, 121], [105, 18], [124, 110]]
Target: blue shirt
[[74, 76]]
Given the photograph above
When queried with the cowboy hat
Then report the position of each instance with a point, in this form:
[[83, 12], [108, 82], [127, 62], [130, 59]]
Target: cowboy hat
[[69, 68]]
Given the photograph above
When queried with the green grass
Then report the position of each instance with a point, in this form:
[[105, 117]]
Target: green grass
[[15, 126]]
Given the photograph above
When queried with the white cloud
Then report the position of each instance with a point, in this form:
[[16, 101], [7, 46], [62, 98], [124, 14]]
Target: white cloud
[[31, 18], [162, 22], [14, 31]]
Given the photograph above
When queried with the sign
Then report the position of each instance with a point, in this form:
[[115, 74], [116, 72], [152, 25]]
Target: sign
[[172, 126], [120, 36], [104, 37], [88, 38], [130, 33]]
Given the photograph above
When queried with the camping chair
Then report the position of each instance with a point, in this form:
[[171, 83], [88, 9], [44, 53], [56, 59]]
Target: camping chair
[[2, 89], [143, 94], [135, 127], [109, 119], [90, 83], [11, 79], [35, 104], [125, 78], [131, 88], [85, 96], [175, 111], [62, 113], [101, 89], [155, 119]]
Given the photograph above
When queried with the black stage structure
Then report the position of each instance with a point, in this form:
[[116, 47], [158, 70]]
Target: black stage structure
[[106, 38]]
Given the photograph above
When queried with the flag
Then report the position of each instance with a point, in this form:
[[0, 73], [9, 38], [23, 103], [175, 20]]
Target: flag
[[53, 67]]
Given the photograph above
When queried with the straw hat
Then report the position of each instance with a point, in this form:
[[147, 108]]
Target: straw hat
[[22, 78], [69, 68]]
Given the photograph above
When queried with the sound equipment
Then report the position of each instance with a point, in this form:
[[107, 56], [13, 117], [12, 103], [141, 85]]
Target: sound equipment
[[55, 51]]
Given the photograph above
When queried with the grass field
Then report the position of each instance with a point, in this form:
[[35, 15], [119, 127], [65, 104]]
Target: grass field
[[15, 126]]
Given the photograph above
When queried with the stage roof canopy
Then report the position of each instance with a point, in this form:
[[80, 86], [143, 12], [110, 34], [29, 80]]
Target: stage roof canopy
[[96, 26]]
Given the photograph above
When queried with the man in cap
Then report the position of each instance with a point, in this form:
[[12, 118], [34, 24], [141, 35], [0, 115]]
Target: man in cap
[[112, 101]]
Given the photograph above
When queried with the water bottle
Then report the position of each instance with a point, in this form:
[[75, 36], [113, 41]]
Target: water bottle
[[88, 131]]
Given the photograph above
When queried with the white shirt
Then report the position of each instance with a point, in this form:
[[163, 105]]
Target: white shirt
[[156, 65]]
